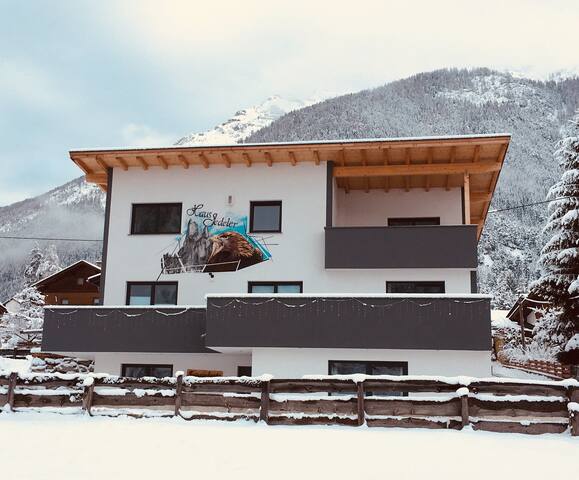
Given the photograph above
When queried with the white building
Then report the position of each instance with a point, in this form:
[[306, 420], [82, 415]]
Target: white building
[[289, 259]]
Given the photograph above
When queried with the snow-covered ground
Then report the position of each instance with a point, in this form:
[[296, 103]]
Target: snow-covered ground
[[15, 365], [51, 446]]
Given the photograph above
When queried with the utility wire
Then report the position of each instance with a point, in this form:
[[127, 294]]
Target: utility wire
[[530, 204], [51, 239], [10, 237]]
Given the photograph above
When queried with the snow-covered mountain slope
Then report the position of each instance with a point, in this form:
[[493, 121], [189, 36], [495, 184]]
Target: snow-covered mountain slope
[[465, 102], [73, 210], [247, 121]]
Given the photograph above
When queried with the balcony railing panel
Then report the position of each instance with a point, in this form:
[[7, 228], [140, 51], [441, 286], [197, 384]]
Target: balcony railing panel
[[430, 322], [437, 246], [124, 329]]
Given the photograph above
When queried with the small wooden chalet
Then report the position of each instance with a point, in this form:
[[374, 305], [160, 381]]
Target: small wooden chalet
[[71, 285]]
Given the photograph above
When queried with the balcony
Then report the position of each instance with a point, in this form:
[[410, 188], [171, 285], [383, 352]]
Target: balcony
[[431, 322], [436, 246], [124, 329]]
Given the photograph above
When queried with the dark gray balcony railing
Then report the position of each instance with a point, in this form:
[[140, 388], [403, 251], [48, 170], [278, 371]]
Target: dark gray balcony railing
[[439, 246], [124, 329], [435, 322]]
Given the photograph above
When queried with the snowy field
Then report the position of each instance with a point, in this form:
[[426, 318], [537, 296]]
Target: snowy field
[[52, 446]]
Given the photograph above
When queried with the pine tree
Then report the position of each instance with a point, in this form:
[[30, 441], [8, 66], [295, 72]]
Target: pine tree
[[35, 258], [50, 263], [560, 256], [29, 316]]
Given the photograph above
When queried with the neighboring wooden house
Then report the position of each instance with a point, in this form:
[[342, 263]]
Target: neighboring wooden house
[[527, 310], [71, 285]]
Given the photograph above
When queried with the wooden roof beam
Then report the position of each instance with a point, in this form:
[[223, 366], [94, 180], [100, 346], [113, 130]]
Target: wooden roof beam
[[292, 158], [142, 162], [316, 157], [268, 158], [82, 165], [226, 159], [450, 160], [101, 163], [417, 169], [385, 160], [162, 162], [98, 178], [204, 160], [407, 161], [480, 197], [122, 163], [247, 158], [183, 161], [429, 158]]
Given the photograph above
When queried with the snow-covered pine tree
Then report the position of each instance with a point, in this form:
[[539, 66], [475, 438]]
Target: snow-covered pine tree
[[560, 256], [50, 263], [35, 258], [30, 315]]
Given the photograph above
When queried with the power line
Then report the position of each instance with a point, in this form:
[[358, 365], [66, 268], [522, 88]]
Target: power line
[[530, 204], [51, 239]]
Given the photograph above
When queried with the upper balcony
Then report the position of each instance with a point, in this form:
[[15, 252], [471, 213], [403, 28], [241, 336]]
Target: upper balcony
[[443, 246]]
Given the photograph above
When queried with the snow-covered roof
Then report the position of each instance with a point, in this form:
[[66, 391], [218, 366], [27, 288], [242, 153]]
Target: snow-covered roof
[[65, 269], [301, 142]]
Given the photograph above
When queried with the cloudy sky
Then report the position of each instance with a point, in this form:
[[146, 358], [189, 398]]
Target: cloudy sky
[[118, 73]]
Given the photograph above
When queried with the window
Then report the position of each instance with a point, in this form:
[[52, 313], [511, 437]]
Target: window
[[151, 293], [137, 370], [156, 218], [413, 221], [243, 371], [275, 287], [96, 301], [347, 367], [415, 287], [80, 281], [265, 217], [64, 301]]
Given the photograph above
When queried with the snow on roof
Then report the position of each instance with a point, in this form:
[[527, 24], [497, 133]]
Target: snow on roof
[[62, 270], [350, 295], [305, 142]]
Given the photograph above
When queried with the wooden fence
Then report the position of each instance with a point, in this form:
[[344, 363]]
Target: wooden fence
[[552, 369], [383, 401]]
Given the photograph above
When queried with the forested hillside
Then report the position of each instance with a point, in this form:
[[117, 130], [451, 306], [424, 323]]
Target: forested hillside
[[464, 102]]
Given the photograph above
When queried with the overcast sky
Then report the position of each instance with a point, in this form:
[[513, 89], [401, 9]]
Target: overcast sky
[[119, 73]]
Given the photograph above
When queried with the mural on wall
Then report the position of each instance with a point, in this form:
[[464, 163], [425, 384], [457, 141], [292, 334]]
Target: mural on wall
[[212, 242]]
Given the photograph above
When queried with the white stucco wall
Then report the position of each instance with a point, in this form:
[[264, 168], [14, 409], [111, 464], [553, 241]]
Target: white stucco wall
[[295, 362], [228, 363], [298, 252], [358, 208]]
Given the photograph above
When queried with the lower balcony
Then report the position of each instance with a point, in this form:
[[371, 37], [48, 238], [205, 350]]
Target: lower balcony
[[386, 321], [432, 246], [124, 329]]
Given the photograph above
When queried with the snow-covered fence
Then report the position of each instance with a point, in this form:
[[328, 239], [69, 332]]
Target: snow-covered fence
[[500, 405], [552, 369]]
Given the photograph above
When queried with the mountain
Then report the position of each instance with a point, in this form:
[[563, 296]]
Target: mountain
[[73, 210], [464, 102], [436, 103], [76, 209], [247, 121]]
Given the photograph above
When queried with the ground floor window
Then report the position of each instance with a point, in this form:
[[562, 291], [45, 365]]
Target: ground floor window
[[350, 367], [415, 287], [136, 370], [275, 287], [151, 293]]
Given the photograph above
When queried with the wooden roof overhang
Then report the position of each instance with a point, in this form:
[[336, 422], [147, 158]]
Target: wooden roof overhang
[[472, 162]]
